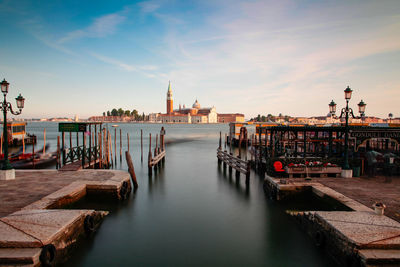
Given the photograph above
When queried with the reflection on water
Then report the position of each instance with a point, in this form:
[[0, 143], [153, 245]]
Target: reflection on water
[[192, 213]]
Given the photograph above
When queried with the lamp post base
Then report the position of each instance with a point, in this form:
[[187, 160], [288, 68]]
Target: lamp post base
[[7, 174], [347, 173]]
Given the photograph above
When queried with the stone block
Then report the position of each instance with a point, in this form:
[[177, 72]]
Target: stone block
[[7, 174], [10, 237], [364, 229]]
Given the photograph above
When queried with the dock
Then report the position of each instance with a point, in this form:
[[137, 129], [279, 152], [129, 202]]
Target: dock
[[35, 229], [358, 237]]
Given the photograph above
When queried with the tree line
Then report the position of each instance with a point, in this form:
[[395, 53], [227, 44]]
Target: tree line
[[270, 117], [125, 113]]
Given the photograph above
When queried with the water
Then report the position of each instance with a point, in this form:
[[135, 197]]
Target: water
[[190, 213]]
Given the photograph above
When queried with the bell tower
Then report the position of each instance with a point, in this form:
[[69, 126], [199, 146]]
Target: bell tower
[[170, 100]]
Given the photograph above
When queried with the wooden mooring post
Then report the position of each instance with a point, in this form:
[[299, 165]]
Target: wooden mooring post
[[127, 140], [159, 152], [141, 145], [120, 145], [131, 169]]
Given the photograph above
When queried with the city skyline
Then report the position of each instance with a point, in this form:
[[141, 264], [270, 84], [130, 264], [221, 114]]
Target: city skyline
[[252, 57]]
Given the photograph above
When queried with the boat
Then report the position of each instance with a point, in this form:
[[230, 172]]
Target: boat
[[42, 161], [26, 160], [17, 135]]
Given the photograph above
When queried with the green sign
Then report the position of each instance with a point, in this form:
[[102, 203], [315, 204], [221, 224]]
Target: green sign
[[72, 127]]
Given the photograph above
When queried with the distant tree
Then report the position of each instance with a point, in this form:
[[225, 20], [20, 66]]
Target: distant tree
[[280, 114], [143, 117], [120, 112], [108, 113], [127, 113], [134, 113], [104, 113], [114, 112], [258, 117], [287, 118], [263, 118]]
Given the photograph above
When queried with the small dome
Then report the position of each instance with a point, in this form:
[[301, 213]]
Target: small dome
[[196, 104]]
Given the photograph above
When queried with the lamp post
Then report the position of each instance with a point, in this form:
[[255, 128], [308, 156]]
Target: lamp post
[[347, 112], [6, 106]]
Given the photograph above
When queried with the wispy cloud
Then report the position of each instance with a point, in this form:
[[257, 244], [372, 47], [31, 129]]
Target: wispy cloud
[[272, 55], [145, 69], [149, 6], [101, 27]]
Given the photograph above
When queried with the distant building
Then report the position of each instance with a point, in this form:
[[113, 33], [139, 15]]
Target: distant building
[[227, 118], [155, 117], [195, 114]]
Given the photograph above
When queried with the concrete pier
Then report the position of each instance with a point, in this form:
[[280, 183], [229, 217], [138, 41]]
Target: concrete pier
[[32, 232], [358, 237]]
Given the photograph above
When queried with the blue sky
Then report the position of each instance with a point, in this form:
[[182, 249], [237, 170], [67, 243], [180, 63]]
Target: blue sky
[[253, 57]]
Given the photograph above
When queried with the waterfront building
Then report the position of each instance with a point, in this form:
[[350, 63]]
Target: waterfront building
[[227, 118]]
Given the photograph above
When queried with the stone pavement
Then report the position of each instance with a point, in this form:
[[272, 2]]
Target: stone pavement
[[368, 190], [31, 186]]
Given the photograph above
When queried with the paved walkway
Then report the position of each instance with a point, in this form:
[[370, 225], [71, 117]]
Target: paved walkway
[[31, 186], [367, 191]]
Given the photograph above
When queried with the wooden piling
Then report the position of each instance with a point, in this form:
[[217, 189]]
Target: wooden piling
[[120, 145], [33, 156], [44, 141], [115, 146], [100, 150], [127, 140], [131, 169], [62, 148], [111, 151], [225, 141], [23, 145], [219, 148], [237, 173], [156, 148], [70, 140], [77, 145], [58, 153], [141, 145], [149, 157], [247, 144], [84, 151]]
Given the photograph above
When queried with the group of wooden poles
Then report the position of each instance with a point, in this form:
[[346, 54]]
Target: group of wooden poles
[[99, 152], [158, 159], [234, 162]]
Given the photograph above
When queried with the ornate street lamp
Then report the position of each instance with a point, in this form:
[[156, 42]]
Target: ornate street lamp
[[347, 112], [6, 106]]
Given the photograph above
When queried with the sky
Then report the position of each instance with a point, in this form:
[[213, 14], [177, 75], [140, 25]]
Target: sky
[[82, 58]]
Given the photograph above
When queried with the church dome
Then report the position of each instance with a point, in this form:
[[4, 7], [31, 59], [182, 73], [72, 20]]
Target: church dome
[[196, 104]]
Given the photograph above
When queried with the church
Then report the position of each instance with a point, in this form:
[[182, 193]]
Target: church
[[195, 114]]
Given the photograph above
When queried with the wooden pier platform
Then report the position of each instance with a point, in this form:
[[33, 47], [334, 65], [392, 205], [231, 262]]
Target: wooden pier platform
[[34, 229]]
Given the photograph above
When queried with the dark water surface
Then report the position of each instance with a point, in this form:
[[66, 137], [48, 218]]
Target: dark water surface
[[190, 213]]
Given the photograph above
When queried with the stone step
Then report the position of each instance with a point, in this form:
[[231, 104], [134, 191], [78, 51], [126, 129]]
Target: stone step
[[380, 257], [19, 256]]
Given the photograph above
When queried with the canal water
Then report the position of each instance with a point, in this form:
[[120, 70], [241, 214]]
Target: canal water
[[190, 213]]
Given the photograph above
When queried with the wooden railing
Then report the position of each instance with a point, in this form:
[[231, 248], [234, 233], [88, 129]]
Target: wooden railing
[[240, 165], [80, 153]]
